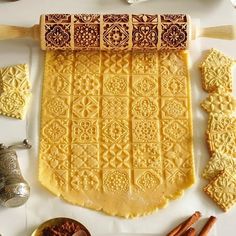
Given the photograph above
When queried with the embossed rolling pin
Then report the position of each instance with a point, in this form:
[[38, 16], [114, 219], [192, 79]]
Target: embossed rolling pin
[[115, 32]]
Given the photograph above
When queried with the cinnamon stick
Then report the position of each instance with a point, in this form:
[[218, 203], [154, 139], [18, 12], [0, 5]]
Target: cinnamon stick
[[190, 232], [184, 226], [207, 227]]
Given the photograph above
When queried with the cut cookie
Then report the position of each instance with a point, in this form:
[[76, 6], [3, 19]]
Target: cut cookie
[[216, 72], [216, 59], [221, 123], [218, 163], [14, 91], [215, 78], [224, 142], [219, 102], [222, 190], [221, 134]]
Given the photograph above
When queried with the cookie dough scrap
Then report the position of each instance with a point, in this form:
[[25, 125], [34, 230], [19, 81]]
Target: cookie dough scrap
[[216, 72], [116, 129], [219, 102], [218, 163], [222, 190], [14, 90]]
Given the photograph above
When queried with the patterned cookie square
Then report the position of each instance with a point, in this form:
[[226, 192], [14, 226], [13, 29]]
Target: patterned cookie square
[[116, 155], [175, 130], [14, 91], [144, 63], [147, 155], [15, 77], [87, 62], [222, 190], [86, 84], [55, 131], [115, 107], [115, 131], [144, 85], [223, 142], [174, 108], [144, 131], [116, 181], [219, 102], [55, 155], [172, 64], [85, 107], [84, 156], [177, 165], [218, 163], [115, 84], [214, 78], [147, 179], [145, 107], [84, 131], [116, 63], [14, 103], [85, 180], [59, 84], [56, 106], [175, 86]]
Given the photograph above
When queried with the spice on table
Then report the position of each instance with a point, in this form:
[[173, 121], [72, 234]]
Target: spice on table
[[207, 227], [64, 229], [184, 226]]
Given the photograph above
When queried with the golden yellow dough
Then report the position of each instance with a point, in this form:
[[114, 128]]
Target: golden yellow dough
[[14, 90], [116, 129]]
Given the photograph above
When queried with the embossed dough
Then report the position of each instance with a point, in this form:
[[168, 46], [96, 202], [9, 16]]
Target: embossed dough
[[14, 90], [217, 72], [222, 190], [116, 129]]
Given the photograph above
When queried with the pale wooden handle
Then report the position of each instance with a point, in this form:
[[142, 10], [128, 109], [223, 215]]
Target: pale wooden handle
[[13, 32], [227, 32]]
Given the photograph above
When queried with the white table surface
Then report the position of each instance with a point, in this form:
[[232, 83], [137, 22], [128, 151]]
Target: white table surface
[[42, 205]]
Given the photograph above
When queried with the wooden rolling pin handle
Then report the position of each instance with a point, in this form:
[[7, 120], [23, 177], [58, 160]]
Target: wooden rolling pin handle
[[13, 32], [227, 32]]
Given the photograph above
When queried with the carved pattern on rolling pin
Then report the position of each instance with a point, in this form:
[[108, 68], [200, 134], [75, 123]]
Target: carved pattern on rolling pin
[[114, 31]]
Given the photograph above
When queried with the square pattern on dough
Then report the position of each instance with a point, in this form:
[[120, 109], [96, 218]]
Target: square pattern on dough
[[14, 90], [122, 139]]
